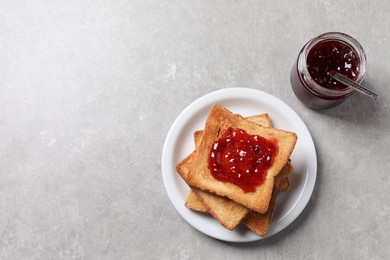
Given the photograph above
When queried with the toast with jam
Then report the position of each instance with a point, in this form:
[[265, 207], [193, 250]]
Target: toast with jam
[[219, 121], [226, 211]]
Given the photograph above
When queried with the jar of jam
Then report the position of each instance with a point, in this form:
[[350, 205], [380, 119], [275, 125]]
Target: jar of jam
[[327, 53]]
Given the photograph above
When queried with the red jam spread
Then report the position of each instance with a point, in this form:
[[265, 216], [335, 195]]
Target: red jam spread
[[242, 159], [332, 56]]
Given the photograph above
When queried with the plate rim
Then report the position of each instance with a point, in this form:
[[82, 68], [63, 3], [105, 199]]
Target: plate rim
[[258, 96]]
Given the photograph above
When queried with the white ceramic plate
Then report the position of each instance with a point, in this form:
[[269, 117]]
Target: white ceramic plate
[[179, 143]]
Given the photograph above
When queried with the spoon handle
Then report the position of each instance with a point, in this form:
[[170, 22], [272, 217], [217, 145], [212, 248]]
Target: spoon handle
[[348, 82]]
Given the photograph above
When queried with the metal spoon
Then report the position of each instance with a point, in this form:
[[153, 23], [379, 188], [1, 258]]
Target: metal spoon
[[350, 83]]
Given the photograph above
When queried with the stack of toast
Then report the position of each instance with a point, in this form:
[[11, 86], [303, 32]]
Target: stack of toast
[[225, 201]]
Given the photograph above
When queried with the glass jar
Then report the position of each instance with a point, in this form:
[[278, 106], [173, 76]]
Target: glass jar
[[317, 91]]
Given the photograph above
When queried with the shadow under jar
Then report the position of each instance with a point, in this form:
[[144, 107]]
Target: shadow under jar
[[326, 53]]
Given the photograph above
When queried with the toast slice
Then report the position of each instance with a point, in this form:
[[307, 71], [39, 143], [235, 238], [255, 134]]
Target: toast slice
[[219, 119], [194, 202], [227, 212]]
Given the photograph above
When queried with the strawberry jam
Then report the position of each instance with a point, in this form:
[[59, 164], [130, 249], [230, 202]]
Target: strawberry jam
[[328, 56], [242, 159], [326, 53]]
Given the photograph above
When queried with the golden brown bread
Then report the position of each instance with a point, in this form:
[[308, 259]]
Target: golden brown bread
[[194, 202], [220, 119], [227, 212]]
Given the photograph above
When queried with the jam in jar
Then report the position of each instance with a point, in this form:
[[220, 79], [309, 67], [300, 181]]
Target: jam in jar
[[325, 54]]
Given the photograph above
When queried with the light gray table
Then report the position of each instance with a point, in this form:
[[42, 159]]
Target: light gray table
[[89, 90]]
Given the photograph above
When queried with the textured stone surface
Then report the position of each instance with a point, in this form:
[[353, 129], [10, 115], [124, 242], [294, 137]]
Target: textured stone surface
[[89, 89]]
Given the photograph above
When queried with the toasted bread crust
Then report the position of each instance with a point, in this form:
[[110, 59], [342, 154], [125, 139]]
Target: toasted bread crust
[[195, 203]]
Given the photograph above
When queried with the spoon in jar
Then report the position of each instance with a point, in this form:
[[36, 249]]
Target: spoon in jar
[[350, 83]]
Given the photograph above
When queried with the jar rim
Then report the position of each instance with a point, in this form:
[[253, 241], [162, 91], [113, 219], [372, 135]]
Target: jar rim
[[305, 76]]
